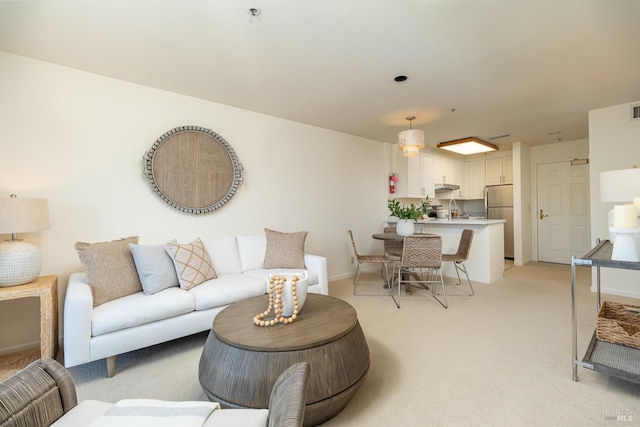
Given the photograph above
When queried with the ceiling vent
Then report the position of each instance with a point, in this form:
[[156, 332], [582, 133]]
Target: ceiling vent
[[635, 111]]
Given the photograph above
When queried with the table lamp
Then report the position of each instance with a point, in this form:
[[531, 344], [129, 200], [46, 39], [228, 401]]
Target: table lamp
[[622, 186], [21, 262]]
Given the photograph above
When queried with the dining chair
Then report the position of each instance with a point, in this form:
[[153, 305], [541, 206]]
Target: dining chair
[[421, 266], [382, 260], [392, 248], [458, 259]]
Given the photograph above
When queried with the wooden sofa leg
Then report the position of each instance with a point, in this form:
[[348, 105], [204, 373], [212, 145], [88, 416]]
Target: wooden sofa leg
[[111, 366]]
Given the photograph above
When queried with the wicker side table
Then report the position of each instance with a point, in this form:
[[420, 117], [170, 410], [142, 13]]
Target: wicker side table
[[46, 289]]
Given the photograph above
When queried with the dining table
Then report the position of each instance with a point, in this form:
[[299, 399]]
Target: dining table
[[398, 238]]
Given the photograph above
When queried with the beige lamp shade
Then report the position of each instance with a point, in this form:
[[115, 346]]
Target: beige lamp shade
[[21, 262]]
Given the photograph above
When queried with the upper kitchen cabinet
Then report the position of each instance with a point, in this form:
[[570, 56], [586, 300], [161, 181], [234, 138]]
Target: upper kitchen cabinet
[[448, 171], [415, 176], [474, 180], [499, 170]]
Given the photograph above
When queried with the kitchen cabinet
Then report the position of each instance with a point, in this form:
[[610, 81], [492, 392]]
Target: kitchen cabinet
[[445, 171], [428, 185], [499, 170], [474, 180], [448, 171], [601, 356], [415, 176]]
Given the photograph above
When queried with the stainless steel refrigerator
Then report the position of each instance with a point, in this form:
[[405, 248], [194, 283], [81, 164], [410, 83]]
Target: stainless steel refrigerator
[[499, 204]]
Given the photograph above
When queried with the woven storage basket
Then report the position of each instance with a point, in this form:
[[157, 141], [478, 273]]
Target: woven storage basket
[[619, 324]]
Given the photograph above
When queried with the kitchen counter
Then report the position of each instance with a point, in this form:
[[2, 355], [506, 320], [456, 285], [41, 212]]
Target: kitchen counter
[[461, 221], [486, 259]]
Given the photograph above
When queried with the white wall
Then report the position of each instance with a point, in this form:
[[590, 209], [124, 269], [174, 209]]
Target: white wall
[[551, 153], [78, 139], [614, 143]]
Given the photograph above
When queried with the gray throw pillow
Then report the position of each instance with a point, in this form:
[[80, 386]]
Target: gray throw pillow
[[155, 268]]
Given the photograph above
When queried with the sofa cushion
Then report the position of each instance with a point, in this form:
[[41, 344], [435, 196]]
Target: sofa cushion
[[155, 267], [252, 249], [224, 254], [138, 309], [109, 269], [284, 250], [227, 289], [82, 414], [238, 417], [192, 263], [156, 413]]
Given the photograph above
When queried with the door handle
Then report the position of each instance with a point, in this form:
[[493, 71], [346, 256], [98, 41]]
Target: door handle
[[542, 214]]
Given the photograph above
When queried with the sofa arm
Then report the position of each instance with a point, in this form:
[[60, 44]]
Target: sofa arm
[[37, 395], [78, 308], [319, 265]]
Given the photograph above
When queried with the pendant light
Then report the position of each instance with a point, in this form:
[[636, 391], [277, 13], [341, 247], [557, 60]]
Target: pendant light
[[410, 141]]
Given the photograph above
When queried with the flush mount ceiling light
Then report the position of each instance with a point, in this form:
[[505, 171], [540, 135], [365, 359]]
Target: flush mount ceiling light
[[411, 141], [467, 146]]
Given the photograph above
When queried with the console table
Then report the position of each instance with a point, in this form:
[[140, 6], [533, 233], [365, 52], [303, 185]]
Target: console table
[[46, 289], [612, 359]]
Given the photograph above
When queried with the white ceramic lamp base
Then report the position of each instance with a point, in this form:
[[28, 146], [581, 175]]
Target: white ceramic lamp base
[[625, 246], [20, 262]]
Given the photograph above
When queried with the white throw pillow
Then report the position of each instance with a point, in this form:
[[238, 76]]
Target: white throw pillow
[[252, 249], [155, 267], [224, 254]]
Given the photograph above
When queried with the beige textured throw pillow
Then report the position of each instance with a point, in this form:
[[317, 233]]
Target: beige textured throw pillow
[[192, 263], [109, 269], [284, 250]]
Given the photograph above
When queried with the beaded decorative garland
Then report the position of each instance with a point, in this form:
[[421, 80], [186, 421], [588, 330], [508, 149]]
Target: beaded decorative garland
[[276, 303]]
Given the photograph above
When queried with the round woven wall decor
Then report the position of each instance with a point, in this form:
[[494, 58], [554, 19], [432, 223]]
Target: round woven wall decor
[[193, 169]]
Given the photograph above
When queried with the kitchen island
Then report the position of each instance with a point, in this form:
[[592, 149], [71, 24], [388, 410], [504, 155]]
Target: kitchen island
[[486, 259]]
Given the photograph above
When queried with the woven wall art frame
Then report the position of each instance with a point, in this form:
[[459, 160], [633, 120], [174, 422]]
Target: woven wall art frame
[[193, 169]]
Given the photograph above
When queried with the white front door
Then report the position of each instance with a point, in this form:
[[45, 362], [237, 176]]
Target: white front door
[[563, 211]]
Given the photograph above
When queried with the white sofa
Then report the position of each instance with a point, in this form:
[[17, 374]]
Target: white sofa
[[138, 320]]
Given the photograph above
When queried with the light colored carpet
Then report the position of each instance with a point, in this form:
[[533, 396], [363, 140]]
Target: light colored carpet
[[500, 358]]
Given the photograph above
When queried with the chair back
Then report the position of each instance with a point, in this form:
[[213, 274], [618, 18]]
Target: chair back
[[464, 247], [288, 397], [353, 244], [422, 252], [392, 247], [37, 395]]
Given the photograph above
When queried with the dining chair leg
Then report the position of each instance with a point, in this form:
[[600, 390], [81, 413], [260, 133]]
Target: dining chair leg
[[443, 301], [461, 267], [356, 278], [398, 281]]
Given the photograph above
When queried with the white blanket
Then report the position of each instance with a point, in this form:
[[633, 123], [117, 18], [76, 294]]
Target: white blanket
[[156, 413]]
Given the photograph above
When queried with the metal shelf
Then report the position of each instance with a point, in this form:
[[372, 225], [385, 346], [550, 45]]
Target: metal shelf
[[612, 359]]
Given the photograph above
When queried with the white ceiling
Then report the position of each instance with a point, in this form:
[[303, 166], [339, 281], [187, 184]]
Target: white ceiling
[[528, 68]]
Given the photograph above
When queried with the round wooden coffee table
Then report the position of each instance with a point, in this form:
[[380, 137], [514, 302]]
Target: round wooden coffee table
[[240, 361]]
